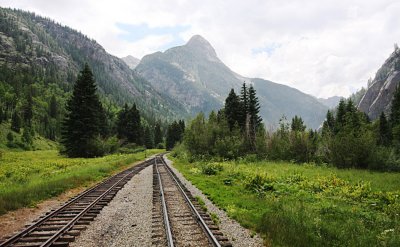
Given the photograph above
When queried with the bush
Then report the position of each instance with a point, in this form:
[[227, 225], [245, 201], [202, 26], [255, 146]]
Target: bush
[[258, 184], [211, 168]]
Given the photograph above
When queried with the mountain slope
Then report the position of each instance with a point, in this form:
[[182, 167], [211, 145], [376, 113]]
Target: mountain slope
[[192, 74], [379, 94], [58, 52], [131, 61], [195, 76], [330, 102]]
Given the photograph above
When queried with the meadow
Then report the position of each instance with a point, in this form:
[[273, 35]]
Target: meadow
[[28, 177], [303, 205]]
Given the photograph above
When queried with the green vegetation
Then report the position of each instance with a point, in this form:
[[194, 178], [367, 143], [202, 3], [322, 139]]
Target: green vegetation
[[347, 139], [31, 176], [303, 205]]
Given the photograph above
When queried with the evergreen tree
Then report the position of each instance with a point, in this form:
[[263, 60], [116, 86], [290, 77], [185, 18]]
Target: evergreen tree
[[254, 109], [53, 107], [129, 125], [174, 134], [28, 110], [134, 127], [384, 131], [122, 122], [158, 137], [340, 115], [232, 109], [10, 137], [148, 138], [16, 122], [27, 136], [244, 106], [85, 118], [298, 124]]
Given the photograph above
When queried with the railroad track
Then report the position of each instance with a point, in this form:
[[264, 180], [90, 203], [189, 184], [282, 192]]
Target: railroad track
[[178, 219], [60, 227]]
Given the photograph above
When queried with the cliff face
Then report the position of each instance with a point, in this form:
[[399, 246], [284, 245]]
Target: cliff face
[[379, 94]]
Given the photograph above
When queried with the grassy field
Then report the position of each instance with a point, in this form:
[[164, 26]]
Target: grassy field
[[303, 205], [31, 176]]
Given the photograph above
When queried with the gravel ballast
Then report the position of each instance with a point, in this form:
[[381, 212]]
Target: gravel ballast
[[127, 220], [238, 235]]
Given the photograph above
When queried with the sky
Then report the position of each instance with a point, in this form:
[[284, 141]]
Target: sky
[[321, 47]]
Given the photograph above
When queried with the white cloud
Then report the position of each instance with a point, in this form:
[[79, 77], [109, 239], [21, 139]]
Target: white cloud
[[323, 48]]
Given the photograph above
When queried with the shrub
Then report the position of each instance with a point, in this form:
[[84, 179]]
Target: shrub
[[211, 168], [258, 184]]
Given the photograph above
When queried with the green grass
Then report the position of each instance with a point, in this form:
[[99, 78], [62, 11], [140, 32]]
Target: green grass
[[304, 205], [39, 143], [29, 177]]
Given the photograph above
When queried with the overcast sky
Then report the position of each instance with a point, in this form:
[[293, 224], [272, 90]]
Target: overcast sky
[[321, 47]]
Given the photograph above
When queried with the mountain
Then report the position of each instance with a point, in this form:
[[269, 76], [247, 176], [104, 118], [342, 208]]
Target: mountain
[[379, 94], [55, 53], [195, 76], [131, 61], [330, 102]]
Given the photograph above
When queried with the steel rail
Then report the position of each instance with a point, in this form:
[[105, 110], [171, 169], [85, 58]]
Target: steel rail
[[71, 223], [167, 226], [210, 235], [38, 223]]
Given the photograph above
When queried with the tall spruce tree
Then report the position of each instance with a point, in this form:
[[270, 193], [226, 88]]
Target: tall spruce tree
[[158, 137], [232, 109], [16, 122], [244, 105], [297, 124], [148, 138], [384, 131], [254, 109], [84, 118], [129, 125]]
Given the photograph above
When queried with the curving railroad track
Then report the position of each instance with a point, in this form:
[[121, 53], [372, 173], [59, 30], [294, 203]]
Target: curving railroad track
[[178, 219], [61, 226]]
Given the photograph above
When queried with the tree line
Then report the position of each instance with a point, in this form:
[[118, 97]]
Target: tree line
[[347, 138], [86, 124]]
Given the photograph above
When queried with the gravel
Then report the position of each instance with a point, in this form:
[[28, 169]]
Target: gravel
[[127, 220], [238, 235]]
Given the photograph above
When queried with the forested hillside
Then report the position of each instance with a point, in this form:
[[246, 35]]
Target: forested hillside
[[39, 62]]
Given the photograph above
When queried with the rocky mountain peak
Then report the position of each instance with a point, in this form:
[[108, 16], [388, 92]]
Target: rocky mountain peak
[[131, 61], [200, 44]]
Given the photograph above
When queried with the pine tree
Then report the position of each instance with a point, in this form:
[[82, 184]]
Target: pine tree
[[122, 122], [148, 138], [53, 107], [158, 138], [16, 122], [384, 131], [84, 119], [298, 124], [232, 109], [174, 134], [28, 110], [244, 106], [254, 109], [340, 116]]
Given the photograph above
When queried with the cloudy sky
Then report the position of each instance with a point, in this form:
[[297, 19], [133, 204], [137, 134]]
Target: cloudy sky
[[321, 47]]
